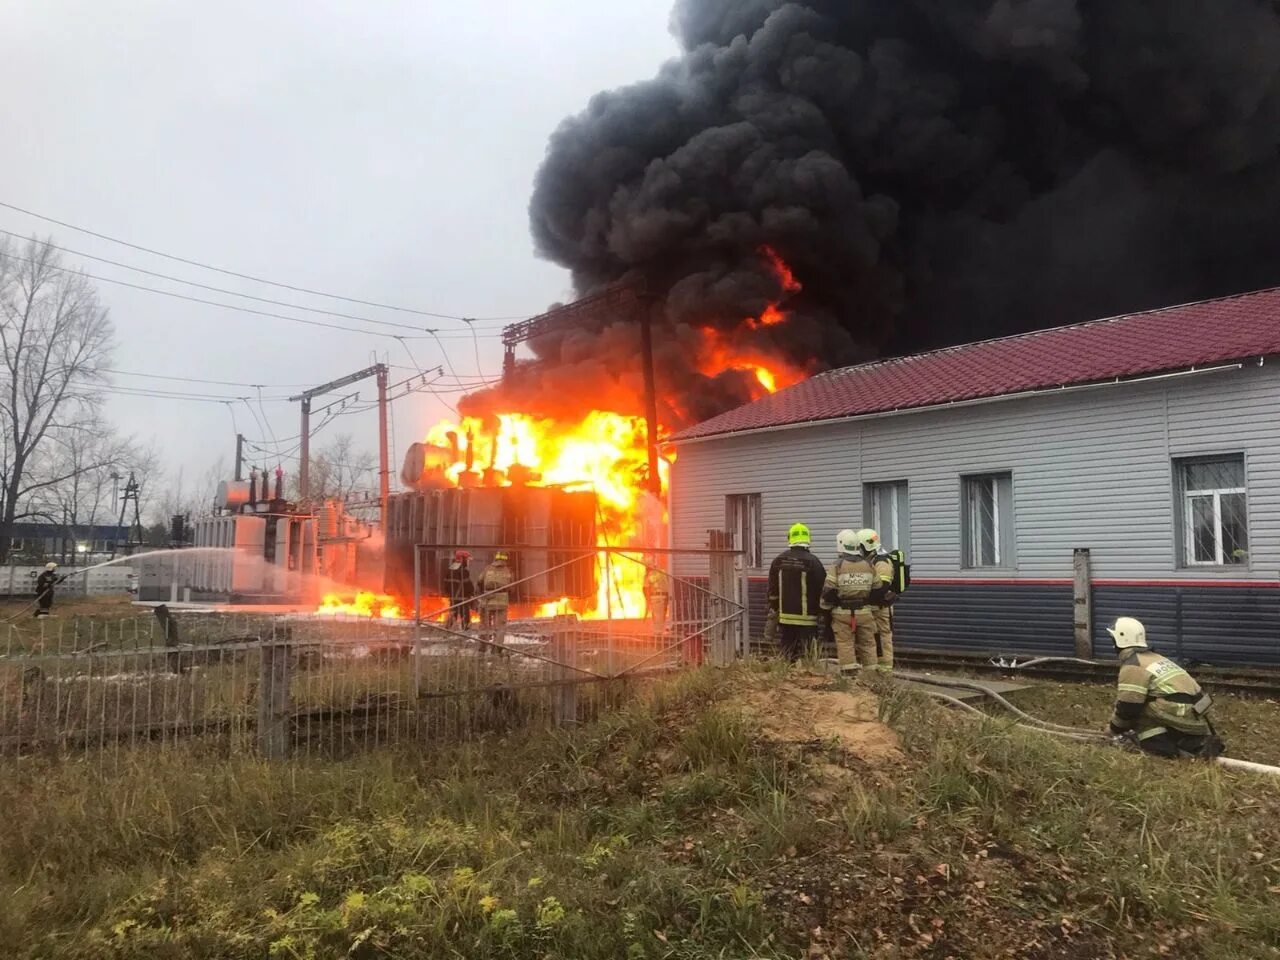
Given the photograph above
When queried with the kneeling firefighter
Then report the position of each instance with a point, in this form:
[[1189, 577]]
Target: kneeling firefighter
[[795, 593], [1158, 704]]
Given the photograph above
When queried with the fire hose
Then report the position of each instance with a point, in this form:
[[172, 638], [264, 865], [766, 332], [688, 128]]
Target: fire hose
[[1044, 726]]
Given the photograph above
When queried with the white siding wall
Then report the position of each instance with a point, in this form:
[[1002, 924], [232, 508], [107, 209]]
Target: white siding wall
[[1091, 468]]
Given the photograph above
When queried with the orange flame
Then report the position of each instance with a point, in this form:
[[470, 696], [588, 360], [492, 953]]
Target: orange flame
[[364, 603], [722, 352], [773, 314], [604, 451], [780, 269]]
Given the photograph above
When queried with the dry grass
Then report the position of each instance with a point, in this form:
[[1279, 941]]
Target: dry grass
[[685, 824]]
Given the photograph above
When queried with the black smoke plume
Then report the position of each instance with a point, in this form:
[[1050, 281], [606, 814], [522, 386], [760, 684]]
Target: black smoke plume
[[935, 171]]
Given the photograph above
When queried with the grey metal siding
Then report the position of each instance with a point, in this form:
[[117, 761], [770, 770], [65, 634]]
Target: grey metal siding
[[1090, 468], [984, 618], [1219, 625]]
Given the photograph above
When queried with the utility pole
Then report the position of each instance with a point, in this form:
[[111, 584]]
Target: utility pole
[[384, 474], [304, 463], [239, 456], [304, 470], [650, 398], [131, 491]]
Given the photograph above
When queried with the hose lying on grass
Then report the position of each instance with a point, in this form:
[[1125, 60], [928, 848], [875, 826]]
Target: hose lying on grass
[[994, 695], [1035, 661], [1044, 726]]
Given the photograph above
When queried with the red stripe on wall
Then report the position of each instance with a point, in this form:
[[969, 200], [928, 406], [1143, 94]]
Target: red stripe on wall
[[1067, 582], [991, 581], [1260, 584]]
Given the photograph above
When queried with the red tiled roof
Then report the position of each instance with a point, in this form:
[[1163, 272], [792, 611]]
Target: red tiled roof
[[1168, 339]]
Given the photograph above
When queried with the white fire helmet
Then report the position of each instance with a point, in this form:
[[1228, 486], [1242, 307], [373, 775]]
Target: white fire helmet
[[1128, 633], [51, 566], [847, 542], [868, 540]]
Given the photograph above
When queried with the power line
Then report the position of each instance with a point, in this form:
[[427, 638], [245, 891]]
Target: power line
[[218, 383], [164, 395], [233, 293], [213, 303], [243, 276], [465, 383]]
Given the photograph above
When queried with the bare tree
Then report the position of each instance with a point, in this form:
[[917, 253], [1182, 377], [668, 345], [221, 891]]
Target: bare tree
[[95, 461], [338, 470], [181, 497], [55, 339]]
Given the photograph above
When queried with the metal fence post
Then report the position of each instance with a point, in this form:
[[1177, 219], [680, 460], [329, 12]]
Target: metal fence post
[[564, 696], [417, 622], [273, 699], [722, 583]]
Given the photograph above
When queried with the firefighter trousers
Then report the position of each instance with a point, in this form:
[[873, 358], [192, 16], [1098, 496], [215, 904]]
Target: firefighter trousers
[[796, 640], [854, 647], [874, 628], [658, 611], [493, 623]]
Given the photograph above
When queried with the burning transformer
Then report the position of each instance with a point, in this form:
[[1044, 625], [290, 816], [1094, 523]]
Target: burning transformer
[[450, 505]]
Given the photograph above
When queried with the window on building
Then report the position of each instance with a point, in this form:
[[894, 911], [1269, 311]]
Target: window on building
[[743, 521], [885, 508], [987, 520], [1215, 516]]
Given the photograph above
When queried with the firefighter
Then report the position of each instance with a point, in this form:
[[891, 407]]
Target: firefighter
[[457, 581], [873, 622], [657, 594], [795, 593], [1158, 704], [846, 588], [44, 589], [495, 598]]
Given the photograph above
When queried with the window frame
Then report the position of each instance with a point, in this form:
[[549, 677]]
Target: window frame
[[740, 510], [1185, 511], [901, 509], [1003, 517]]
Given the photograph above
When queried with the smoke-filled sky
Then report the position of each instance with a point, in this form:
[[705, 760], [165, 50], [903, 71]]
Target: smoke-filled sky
[[384, 151], [936, 171]]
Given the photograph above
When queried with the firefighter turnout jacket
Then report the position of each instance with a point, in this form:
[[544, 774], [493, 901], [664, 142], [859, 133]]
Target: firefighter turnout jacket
[[493, 587], [882, 594], [655, 583], [1155, 695], [849, 583], [795, 587]]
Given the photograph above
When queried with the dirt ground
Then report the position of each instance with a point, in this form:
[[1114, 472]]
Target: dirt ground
[[809, 710]]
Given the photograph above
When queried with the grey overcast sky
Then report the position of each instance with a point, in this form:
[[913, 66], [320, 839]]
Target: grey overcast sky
[[380, 150]]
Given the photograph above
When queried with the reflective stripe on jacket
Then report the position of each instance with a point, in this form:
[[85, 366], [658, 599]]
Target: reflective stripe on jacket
[[851, 579], [496, 577], [795, 587], [1154, 694]]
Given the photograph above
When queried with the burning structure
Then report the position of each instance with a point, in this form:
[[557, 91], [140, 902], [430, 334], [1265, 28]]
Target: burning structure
[[811, 184], [549, 531]]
